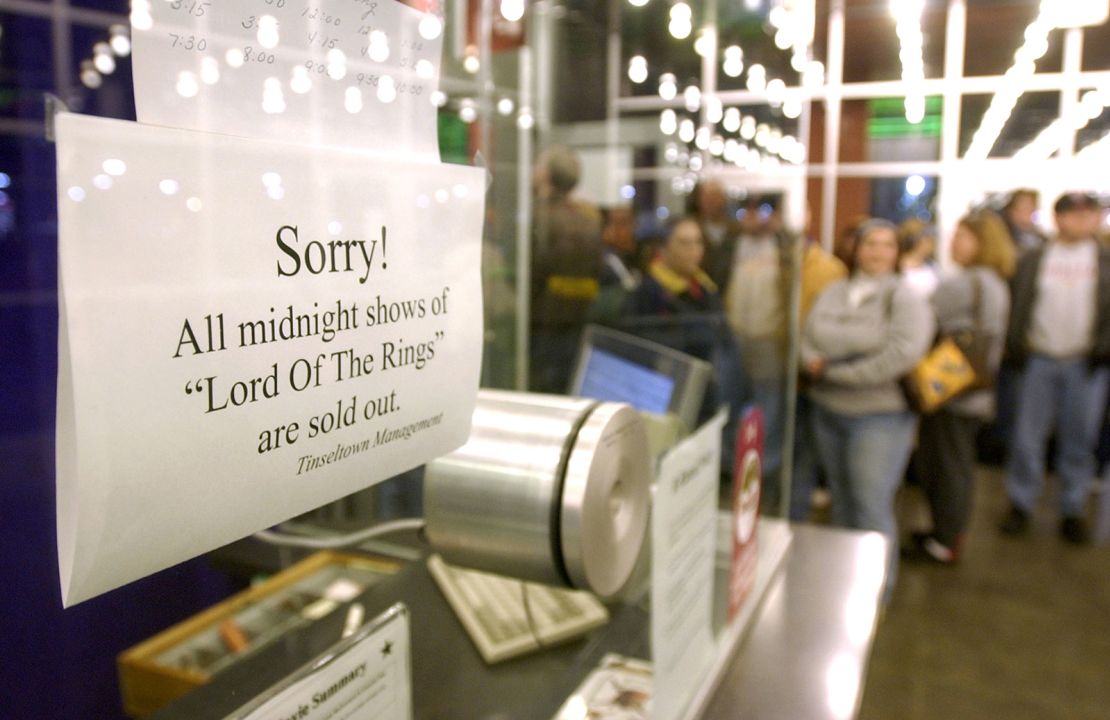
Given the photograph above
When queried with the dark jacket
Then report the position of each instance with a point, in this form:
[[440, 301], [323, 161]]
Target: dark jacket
[[566, 262], [1023, 294], [663, 292]]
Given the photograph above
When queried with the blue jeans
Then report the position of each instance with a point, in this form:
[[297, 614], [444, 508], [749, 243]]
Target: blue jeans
[[804, 479], [1067, 395], [864, 457]]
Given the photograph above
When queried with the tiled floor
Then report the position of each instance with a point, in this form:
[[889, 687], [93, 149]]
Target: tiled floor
[[1020, 629]]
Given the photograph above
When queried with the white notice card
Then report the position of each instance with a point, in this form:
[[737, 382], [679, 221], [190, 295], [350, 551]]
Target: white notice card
[[328, 72], [683, 546], [248, 330], [366, 676]]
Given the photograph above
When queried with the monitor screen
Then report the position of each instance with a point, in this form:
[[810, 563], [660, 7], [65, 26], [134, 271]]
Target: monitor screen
[[613, 378], [618, 367]]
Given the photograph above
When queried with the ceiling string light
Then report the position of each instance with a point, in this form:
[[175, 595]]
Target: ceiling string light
[[104, 54], [1053, 137], [907, 14], [1013, 84]]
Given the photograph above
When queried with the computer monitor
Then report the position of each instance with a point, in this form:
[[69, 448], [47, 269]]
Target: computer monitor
[[650, 377]]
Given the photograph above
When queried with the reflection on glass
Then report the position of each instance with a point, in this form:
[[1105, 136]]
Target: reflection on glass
[[187, 86], [102, 182], [115, 166], [209, 71], [76, 193], [169, 187], [842, 685], [194, 204]]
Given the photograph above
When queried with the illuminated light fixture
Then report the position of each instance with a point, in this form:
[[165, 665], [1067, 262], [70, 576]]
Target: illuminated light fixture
[[352, 100], [714, 110], [90, 78], [187, 86], [703, 43], [776, 92], [505, 106], [209, 71], [696, 164], [637, 69], [387, 89], [424, 68], [792, 106], [692, 97], [337, 64], [668, 122], [813, 77], [681, 21], [778, 17], [915, 185], [468, 112], [702, 139], [717, 146], [748, 127], [783, 39], [512, 10], [670, 153], [120, 41], [430, 27], [798, 61], [525, 120], [686, 130], [1013, 85], [234, 58], [1078, 13], [757, 78], [103, 60], [378, 48], [731, 121], [668, 86], [471, 63], [1053, 137], [907, 16], [141, 19], [438, 98], [734, 61], [268, 35], [638, 3]]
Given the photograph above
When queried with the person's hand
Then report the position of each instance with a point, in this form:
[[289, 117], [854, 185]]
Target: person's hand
[[815, 368]]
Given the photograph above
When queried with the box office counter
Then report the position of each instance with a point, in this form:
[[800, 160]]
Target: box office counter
[[817, 616]]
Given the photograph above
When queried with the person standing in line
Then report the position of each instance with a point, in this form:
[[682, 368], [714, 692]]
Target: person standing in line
[[675, 283], [862, 336], [566, 266], [1059, 339], [973, 299], [719, 231], [1018, 214]]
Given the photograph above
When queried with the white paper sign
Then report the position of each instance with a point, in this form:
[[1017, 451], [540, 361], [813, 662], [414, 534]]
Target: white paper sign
[[333, 72], [683, 545], [368, 676], [248, 330]]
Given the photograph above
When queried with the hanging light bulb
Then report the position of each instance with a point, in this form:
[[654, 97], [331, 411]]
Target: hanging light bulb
[[668, 122], [120, 41], [512, 10], [731, 121], [668, 86], [681, 21], [734, 61], [692, 97], [637, 69]]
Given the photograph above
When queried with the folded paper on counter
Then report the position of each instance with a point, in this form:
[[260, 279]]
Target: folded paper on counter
[[248, 330]]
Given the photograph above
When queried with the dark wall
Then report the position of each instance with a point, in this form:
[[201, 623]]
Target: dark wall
[[54, 663]]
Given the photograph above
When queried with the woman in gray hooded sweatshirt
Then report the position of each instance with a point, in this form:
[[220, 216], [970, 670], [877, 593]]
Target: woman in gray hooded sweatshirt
[[861, 337]]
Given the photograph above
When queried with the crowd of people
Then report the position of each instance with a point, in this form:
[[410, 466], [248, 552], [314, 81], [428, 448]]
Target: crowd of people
[[1035, 308]]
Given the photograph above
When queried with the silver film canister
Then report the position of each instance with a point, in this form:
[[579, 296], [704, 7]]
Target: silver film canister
[[547, 488]]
